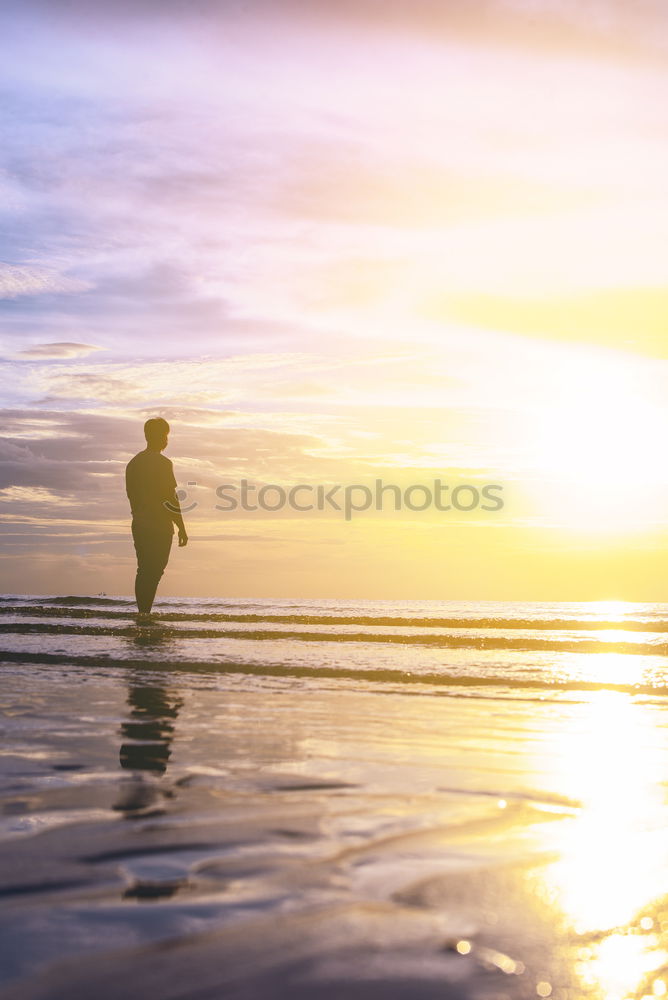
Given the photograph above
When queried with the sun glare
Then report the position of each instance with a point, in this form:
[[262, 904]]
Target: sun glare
[[596, 447]]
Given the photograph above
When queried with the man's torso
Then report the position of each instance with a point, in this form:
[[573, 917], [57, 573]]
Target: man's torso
[[150, 483]]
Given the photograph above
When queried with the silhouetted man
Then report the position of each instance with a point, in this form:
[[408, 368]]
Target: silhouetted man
[[151, 489]]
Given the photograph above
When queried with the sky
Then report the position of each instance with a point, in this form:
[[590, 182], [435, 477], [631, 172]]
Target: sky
[[332, 242]]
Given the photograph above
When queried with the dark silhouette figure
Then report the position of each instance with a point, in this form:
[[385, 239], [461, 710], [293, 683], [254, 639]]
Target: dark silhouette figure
[[151, 489]]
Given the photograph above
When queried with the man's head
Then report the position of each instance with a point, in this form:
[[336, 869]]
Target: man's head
[[156, 431]]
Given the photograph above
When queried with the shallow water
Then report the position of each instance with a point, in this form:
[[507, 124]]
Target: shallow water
[[194, 813]]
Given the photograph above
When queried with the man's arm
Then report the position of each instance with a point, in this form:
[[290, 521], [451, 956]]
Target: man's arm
[[174, 508]]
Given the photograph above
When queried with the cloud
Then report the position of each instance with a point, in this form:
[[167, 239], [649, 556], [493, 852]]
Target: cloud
[[557, 21], [56, 350], [260, 194], [16, 281], [30, 494], [630, 318]]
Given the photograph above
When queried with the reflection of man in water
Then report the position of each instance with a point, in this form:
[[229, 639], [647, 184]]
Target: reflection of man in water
[[149, 731], [151, 489], [145, 751]]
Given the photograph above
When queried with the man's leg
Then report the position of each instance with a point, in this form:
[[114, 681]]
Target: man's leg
[[152, 548]]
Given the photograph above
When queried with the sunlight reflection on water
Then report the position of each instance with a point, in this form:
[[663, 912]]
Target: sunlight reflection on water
[[614, 854]]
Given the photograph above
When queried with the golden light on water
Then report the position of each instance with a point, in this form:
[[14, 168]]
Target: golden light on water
[[613, 855], [621, 635], [619, 964], [610, 609], [615, 668], [610, 668]]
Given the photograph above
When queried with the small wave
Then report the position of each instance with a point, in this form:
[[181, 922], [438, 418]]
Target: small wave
[[68, 608], [381, 675], [73, 602], [8, 602], [461, 641]]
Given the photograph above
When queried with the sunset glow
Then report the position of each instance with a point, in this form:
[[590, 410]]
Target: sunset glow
[[329, 246]]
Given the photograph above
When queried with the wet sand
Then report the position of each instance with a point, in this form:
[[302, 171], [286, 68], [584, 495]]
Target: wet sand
[[183, 836]]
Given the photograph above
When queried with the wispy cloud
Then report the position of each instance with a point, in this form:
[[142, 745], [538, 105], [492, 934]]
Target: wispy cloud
[[57, 350], [16, 281]]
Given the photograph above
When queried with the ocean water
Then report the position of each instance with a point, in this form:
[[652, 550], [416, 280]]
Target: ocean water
[[550, 647], [275, 798]]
